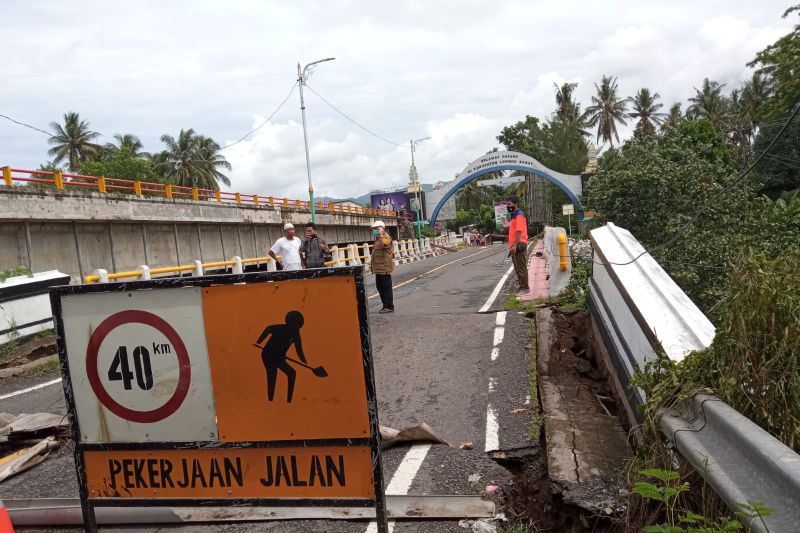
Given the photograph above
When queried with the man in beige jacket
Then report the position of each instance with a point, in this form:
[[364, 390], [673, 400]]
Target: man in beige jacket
[[383, 265]]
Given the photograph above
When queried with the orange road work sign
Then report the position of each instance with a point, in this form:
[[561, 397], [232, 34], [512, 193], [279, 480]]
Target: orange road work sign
[[253, 389], [333, 472], [264, 342]]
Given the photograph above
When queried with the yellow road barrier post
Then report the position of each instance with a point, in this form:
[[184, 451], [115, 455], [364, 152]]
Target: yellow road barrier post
[[168, 191], [59, 179], [7, 176], [255, 200], [562, 251], [137, 187], [238, 198], [195, 194], [218, 195], [101, 185]]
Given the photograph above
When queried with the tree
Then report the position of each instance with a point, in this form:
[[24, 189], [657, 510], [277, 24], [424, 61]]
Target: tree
[[557, 145], [73, 141], [129, 143], [471, 197], [709, 103], [779, 63], [668, 179], [673, 119], [778, 172], [646, 109], [607, 110], [124, 166], [191, 160]]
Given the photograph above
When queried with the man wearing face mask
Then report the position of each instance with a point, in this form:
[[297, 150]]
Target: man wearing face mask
[[383, 265], [518, 243]]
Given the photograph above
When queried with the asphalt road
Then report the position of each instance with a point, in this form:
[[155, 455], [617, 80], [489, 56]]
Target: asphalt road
[[437, 360]]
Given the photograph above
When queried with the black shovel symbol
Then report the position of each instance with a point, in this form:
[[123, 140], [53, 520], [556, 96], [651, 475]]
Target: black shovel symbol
[[274, 354]]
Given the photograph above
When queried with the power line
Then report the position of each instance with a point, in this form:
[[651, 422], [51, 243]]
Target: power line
[[26, 125], [249, 133], [725, 189], [384, 139]]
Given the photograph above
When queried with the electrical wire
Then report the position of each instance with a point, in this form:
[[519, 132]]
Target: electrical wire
[[384, 139], [26, 125], [249, 133], [725, 189]]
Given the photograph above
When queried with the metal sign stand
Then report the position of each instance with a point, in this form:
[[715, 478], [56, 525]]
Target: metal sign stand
[[88, 503]]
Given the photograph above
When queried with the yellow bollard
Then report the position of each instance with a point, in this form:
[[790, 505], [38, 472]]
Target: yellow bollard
[[218, 195], [195, 193], [137, 187], [59, 179], [101, 184], [272, 201], [168, 190], [562, 251], [238, 198], [255, 200], [7, 176]]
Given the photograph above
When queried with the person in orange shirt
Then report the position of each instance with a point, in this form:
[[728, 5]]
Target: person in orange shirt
[[518, 243]]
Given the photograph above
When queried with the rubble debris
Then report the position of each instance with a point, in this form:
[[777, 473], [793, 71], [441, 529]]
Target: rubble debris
[[32, 457], [420, 433], [26, 427], [466, 446], [474, 478]]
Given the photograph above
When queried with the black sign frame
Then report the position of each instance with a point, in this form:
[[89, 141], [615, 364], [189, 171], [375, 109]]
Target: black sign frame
[[88, 504]]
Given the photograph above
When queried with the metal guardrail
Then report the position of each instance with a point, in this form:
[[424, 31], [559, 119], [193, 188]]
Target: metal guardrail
[[62, 180], [742, 463], [639, 312]]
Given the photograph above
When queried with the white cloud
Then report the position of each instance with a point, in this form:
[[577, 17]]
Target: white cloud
[[457, 71]]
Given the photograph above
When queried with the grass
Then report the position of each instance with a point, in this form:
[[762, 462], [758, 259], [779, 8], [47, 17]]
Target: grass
[[522, 527]]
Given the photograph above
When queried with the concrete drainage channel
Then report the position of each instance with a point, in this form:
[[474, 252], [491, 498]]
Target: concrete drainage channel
[[570, 481]]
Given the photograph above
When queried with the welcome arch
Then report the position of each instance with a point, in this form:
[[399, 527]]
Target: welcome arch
[[571, 184]]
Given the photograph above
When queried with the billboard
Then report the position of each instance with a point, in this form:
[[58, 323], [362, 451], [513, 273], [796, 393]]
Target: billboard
[[501, 215], [392, 201]]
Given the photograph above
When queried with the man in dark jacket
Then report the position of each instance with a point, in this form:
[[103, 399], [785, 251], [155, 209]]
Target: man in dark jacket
[[314, 250], [383, 265]]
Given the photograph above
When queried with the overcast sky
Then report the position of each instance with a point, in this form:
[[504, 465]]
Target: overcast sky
[[455, 71]]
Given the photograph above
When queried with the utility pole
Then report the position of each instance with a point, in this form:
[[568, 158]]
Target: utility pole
[[414, 182], [302, 77]]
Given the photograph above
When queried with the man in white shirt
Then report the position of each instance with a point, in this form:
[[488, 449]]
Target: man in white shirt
[[288, 249]]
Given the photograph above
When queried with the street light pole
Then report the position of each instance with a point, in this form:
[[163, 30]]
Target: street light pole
[[302, 77], [415, 180]]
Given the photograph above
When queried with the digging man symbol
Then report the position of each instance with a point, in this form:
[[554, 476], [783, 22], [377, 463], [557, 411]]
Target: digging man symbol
[[274, 354]]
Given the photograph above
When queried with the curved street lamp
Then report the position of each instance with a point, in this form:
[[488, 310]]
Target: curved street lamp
[[412, 174], [302, 77]]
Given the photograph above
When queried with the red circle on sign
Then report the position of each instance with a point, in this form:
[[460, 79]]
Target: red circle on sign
[[184, 366]]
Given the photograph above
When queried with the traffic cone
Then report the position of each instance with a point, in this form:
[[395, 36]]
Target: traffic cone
[[5, 521]]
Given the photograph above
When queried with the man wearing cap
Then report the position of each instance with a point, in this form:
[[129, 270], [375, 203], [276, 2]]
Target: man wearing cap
[[383, 265], [288, 249], [518, 243]]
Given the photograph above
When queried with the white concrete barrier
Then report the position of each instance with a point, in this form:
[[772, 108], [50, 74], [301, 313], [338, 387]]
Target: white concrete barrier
[[145, 270], [367, 257], [237, 266], [198, 268]]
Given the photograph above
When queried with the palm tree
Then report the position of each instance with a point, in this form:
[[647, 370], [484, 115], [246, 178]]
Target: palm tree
[[208, 150], [606, 110], [708, 103], [471, 196], [191, 160], [755, 92], [673, 118], [129, 143], [568, 110], [73, 141], [646, 109]]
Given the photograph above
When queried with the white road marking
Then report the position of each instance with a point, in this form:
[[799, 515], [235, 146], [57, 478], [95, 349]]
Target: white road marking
[[30, 389], [500, 319], [492, 430], [496, 291], [495, 353], [499, 333], [403, 477], [492, 384]]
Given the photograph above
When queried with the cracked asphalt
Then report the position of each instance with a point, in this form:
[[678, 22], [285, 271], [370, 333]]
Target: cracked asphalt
[[432, 364]]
